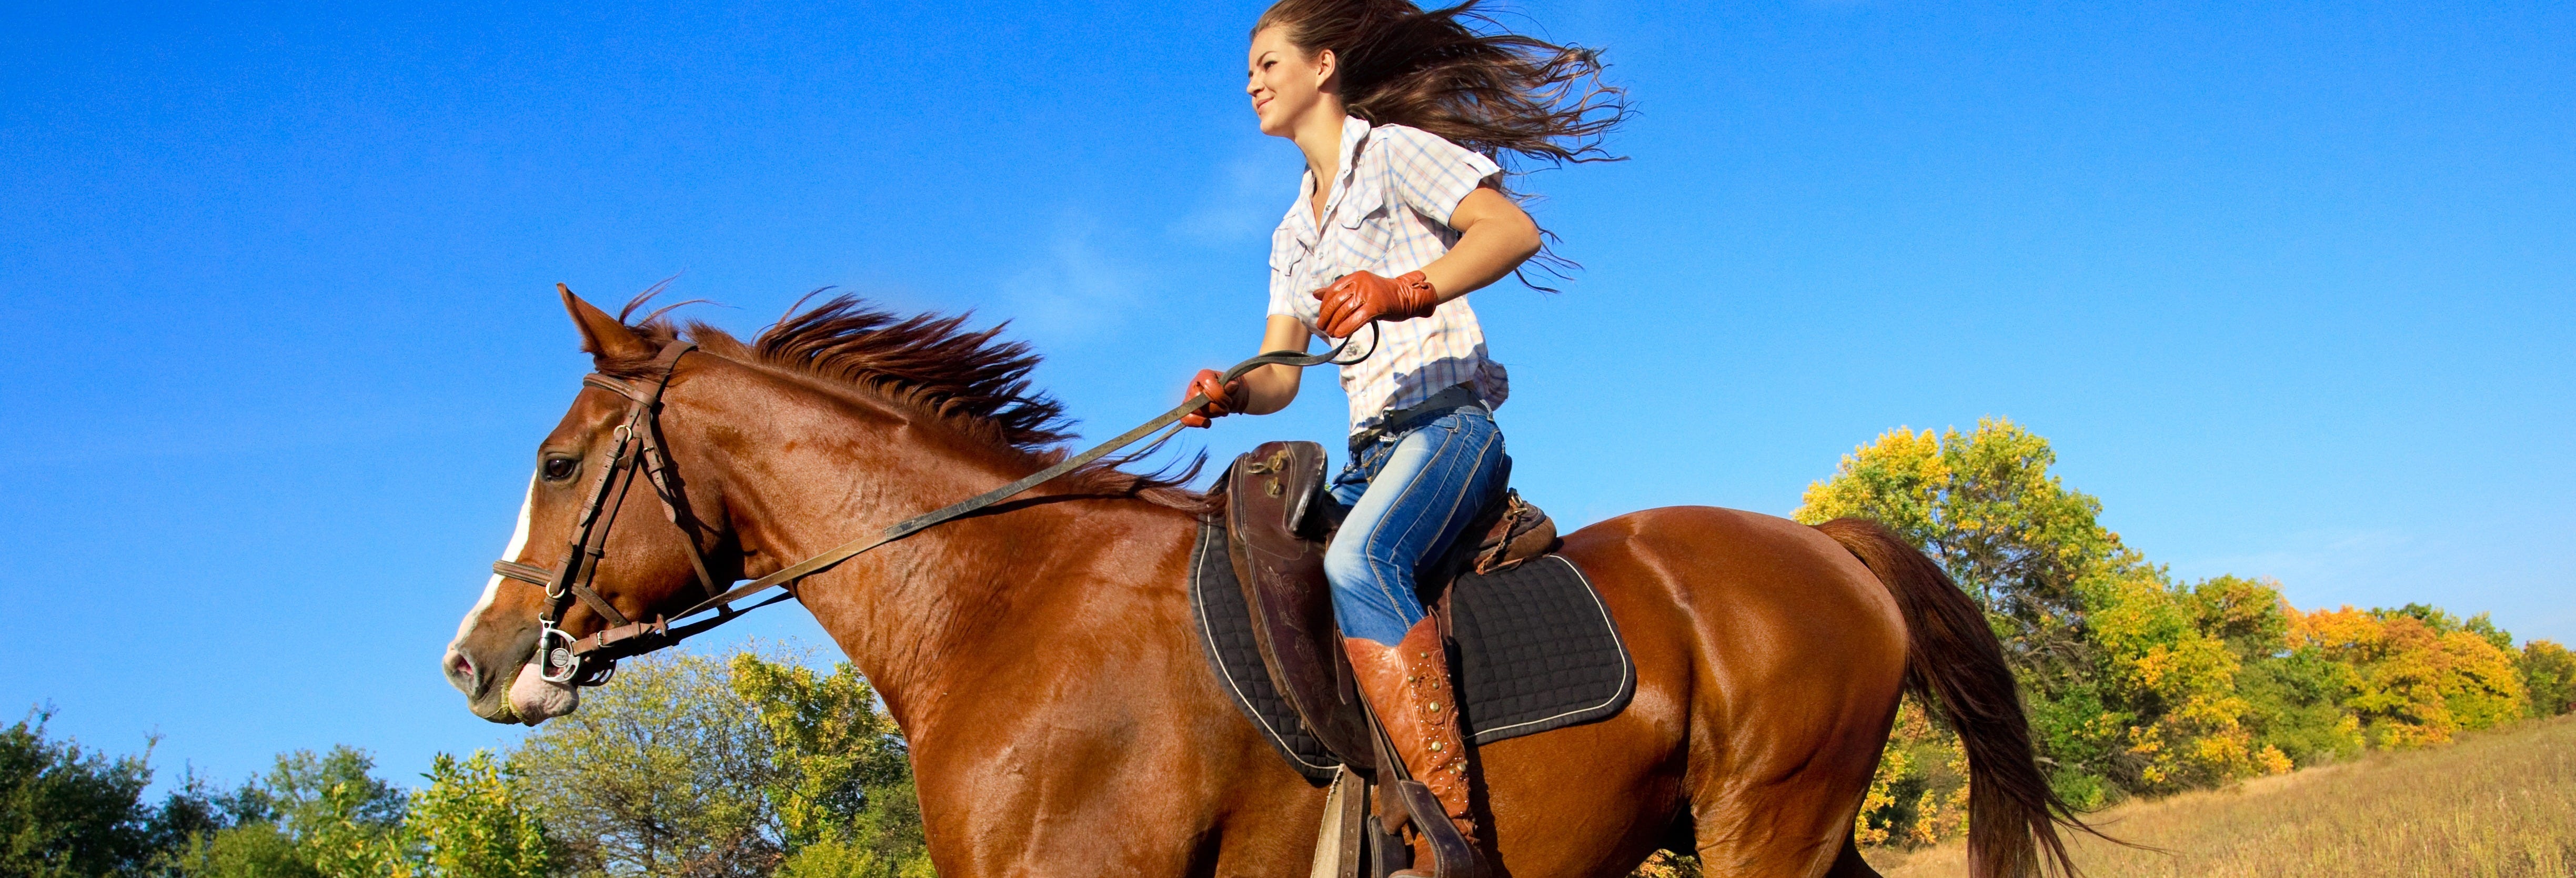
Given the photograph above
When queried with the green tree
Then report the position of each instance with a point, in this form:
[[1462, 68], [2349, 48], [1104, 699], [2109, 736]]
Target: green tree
[[251, 850], [658, 774], [840, 785], [2129, 677], [2032, 552], [2290, 695], [1985, 506], [2249, 615], [475, 820], [67, 811], [690, 765], [2173, 687], [2549, 676], [2296, 706]]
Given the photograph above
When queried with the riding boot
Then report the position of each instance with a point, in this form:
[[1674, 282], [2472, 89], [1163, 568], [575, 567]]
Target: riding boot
[[1408, 687]]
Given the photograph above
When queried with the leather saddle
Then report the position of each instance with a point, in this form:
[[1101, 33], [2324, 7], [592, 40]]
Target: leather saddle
[[1278, 518]]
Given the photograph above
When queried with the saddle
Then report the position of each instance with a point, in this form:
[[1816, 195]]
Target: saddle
[[1278, 519], [1533, 648]]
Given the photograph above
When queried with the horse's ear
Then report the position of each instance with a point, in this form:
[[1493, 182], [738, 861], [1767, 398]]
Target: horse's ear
[[602, 335]]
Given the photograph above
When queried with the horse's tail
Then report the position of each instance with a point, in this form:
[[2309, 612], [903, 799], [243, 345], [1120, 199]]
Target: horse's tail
[[1953, 660]]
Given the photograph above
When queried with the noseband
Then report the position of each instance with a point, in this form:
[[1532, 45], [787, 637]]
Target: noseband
[[590, 661]]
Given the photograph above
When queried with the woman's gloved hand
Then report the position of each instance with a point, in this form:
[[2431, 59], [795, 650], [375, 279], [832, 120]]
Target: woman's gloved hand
[[1221, 397], [1361, 296]]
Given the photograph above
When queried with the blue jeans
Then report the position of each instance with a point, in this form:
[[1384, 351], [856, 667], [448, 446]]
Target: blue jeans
[[1409, 494]]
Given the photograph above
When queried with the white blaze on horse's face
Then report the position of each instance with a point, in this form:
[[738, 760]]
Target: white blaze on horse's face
[[518, 543], [491, 589]]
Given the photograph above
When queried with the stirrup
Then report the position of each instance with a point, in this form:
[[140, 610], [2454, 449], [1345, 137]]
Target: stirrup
[[1453, 855]]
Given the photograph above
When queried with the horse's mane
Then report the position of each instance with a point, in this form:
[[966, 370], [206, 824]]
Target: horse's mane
[[974, 381]]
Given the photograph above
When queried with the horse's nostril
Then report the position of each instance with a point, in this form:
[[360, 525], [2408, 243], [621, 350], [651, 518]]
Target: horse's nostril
[[460, 669]]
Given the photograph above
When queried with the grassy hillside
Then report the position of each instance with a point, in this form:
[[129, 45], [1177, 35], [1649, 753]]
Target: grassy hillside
[[2495, 804]]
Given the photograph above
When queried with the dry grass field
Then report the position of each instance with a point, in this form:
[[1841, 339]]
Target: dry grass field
[[2495, 804]]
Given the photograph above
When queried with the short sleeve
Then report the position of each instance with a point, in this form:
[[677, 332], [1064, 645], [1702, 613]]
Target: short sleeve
[[1430, 174], [1280, 305], [1285, 255]]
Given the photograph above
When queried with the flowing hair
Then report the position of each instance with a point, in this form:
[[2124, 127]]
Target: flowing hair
[[1457, 73]]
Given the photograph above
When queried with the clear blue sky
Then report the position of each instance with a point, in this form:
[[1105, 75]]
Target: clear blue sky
[[2288, 285]]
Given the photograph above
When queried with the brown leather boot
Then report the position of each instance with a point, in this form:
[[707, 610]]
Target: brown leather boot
[[1407, 685]]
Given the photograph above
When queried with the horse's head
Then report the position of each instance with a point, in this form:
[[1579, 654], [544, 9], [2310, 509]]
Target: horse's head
[[643, 570]]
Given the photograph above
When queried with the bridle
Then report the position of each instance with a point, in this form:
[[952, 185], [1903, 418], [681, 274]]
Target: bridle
[[562, 658], [639, 448]]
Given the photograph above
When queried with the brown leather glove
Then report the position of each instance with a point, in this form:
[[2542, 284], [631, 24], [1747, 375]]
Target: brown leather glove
[[1361, 296], [1220, 397]]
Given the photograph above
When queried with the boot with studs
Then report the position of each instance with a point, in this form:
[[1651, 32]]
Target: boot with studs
[[1407, 686]]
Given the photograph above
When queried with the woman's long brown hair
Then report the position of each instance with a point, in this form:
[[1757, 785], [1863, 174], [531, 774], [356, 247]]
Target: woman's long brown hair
[[1457, 73]]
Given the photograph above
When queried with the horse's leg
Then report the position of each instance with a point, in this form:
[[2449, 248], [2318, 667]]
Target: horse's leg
[[1850, 864], [1591, 801], [1092, 779], [1782, 806], [1588, 801], [1096, 740], [1799, 654]]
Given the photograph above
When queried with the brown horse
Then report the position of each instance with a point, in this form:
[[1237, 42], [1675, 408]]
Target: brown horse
[[1040, 655]]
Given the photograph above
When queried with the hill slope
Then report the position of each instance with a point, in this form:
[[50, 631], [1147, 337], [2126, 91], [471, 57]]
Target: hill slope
[[2499, 804]]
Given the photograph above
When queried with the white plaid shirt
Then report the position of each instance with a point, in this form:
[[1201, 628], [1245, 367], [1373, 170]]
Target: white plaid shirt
[[1388, 212]]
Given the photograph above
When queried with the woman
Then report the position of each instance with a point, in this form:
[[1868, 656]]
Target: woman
[[1400, 114]]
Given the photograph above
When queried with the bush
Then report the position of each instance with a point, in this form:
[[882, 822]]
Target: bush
[[475, 820]]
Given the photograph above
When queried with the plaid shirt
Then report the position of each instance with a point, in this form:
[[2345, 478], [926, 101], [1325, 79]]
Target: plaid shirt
[[1388, 212]]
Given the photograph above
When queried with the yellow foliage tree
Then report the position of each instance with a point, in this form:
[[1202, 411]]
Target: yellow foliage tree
[[1919, 795], [2185, 722], [2136, 683], [2412, 683], [2128, 692]]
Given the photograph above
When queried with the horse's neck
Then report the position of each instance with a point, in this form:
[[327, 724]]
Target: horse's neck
[[912, 613]]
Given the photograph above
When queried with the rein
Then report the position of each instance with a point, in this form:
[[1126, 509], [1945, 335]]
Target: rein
[[590, 661]]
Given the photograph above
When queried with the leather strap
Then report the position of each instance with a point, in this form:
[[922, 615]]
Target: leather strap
[[527, 573], [630, 639], [571, 581], [1400, 420]]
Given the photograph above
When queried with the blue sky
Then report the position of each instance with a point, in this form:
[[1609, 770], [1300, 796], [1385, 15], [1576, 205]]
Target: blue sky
[[2288, 285]]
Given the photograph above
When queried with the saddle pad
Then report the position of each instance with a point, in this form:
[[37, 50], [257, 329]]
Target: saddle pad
[[1537, 651]]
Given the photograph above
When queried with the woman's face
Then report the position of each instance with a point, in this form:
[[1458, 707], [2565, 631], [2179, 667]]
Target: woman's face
[[1286, 85]]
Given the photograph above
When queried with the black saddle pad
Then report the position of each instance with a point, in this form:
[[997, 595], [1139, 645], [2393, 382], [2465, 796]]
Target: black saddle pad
[[1537, 651]]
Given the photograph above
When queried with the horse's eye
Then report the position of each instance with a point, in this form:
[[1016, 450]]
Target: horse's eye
[[560, 468]]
